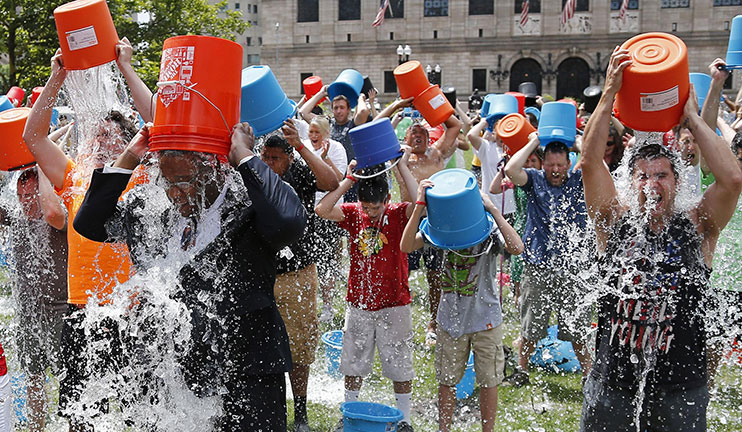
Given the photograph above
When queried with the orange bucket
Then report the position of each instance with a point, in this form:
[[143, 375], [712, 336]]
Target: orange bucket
[[198, 101], [86, 33], [13, 151], [312, 86], [411, 79], [433, 105], [656, 85], [513, 130]]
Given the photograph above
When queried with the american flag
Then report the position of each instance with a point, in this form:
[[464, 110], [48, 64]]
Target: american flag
[[568, 12], [380, 16], [622, 10], [524, 13]]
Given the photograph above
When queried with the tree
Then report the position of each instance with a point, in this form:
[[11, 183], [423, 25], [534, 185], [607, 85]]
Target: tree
[[29, 38]]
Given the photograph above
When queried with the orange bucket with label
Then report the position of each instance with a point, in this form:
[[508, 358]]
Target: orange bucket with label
[[13, 151], [312, 85], [86, 33], [513, 130], [433, 105], [656, 85], [198, 100], [411, 79]]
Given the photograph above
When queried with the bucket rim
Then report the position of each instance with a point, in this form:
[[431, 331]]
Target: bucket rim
[[273, 125], [425, 230], [372, 418]]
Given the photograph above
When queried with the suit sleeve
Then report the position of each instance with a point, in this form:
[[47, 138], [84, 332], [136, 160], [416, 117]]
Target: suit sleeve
[[280, 217], [100, 206]]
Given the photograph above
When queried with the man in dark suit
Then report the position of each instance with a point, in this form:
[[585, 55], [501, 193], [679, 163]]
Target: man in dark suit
[[230, 235]]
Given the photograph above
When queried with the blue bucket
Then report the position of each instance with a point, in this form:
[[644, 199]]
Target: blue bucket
[[533, 110], [465, 387], [486, 105], [5, 103], [499, 106], [375, 143], [18, 384], [734, 49], [369, 417], [333, 341], [552, 353], [701, 82], [456, 215], [263, 103], [349, 84], [558, 122]]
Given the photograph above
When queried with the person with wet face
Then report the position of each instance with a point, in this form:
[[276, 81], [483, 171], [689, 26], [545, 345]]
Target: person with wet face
[[296, 279], [234, 227], [555, 216], [655, 260], [378, 313], [40, 289]]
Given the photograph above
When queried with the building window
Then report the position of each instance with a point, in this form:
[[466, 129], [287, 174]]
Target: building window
[[481, 7], [308, 10], [302, 77], [479, 79], [237, 7], [395, 9], [534, 6], [260, 41], [580, 5], [390, 84], [349, 10], [727, 2], [481, 32], [435, 34], [253, 58], [391, 35], [306, 39], [349, 37], [616, 4], [434, 8], [249, 41], [255, 9], [669, 4]]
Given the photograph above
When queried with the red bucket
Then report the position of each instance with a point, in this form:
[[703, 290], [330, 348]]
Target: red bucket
[[312, 86], [86, 33], [198, 101], [13, 151], [521, 101], [35, 93], [16, 94]]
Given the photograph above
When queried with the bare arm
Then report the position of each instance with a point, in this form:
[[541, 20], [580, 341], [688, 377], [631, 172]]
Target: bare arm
[[513, 242], [474, 134], [326, 178], [710, 109], [496, 185], [393, 107], [54, 213], [514, 168], [412, 239], [372, 102], [139, 91], [361, 111], [465, 120], [447, 144], [409, 180], [726, 131], [328, 207], [306, 109]]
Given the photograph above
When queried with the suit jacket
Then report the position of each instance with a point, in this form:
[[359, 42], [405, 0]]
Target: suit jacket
[[237, 269]]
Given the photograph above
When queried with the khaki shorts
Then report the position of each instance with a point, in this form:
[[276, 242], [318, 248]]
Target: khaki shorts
[[296, 297], [389, 330], [452, 355]]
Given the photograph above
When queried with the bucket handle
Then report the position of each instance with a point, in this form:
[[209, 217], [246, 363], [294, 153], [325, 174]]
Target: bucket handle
[[191, 88], [380, 172]]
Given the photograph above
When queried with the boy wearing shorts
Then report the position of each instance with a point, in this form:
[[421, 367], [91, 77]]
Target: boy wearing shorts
[[378, 313], [469, 314]]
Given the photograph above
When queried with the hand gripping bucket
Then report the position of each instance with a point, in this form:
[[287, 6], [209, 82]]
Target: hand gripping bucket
[[521, 101], [499, 106], [701, 83], [312, 85], [734, 49], [558, 122], [198, 99], [333, 342], [13, 151], [375, 143], [349, 84], [433, 105], [411, 79], [513, 130], [264, 104], [465, 387], [86, 33], [456, 215], [656, 85], [369, 417]]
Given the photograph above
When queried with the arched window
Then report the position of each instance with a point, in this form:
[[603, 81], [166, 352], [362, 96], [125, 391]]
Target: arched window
[[524, 70], [573, 76]]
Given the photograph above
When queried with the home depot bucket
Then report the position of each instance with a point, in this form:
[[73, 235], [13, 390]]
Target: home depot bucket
[[465, 387], [349, 84], [312, 85], [411, 79], [499, 106], [456, 215], [734, 49], [558, 122], [433, 106], [375, 143], [198, 100], [521, 101], [264, 104], [701, 83], [86, 33], [513, 130], [16, 95], [369, 417], [13, 151], [655, 86], [333, 342]]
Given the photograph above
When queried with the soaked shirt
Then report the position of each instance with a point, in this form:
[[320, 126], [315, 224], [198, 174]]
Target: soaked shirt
[[378, 268], [652, 319], [340, 133], [3, 366], [301, 253]]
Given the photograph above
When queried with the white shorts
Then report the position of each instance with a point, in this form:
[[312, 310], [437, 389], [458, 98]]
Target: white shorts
[[389, 330], [6, 404]]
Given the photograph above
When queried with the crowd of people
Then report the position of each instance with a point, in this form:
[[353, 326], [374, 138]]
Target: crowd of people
[[256, 241]]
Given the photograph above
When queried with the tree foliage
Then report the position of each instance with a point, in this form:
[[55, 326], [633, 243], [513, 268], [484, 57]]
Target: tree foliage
[[28, 35]]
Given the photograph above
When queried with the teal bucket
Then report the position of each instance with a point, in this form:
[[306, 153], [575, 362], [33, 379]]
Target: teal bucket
[[333, 341], [18, 384], [5, 103], [701, 83], [558, 122], [349, 83], [465, 387], [263, 102], [734, 49], [369, 417]]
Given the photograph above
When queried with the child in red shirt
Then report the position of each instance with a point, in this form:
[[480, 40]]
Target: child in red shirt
[[6, 396]]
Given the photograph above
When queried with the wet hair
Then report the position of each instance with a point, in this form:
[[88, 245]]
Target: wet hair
[[374, 189], [419, 125], [128, 130], [651, 152], [557, 147], [28, 175], [340, 97], [737, 143], [532, 119], [539, 152], [322, 124], [277, 141]]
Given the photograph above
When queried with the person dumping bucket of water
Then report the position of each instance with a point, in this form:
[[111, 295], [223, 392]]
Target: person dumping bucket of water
[[379, 314], [655, 258], [469, 315]]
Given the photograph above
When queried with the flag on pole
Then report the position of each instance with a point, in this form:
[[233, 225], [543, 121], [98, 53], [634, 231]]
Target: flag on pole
[[568, 12], [524, 13], [380, 16], [622, 10]]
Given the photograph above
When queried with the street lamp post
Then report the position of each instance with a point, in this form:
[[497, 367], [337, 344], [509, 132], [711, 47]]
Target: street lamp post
[[277, 27], [403, 53], [434, 74]]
